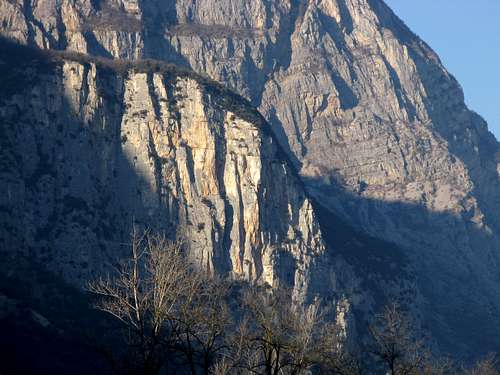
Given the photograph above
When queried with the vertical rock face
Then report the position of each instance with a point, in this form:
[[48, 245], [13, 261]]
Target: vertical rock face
[[376, 126], [87, 152]]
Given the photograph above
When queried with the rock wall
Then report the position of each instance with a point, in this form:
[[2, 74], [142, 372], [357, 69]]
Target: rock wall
[[88, 152], [374, 123]]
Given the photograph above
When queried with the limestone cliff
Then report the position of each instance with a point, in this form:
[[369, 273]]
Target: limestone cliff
[[374, 123], [87, 151]]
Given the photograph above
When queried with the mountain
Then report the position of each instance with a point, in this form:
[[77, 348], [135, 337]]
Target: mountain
[[403, 177], [90, 148]]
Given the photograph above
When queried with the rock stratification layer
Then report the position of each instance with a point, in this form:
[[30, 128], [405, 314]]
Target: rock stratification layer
[[376, 126]]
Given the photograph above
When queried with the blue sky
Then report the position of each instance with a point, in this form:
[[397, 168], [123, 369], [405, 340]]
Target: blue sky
[[466, 35]]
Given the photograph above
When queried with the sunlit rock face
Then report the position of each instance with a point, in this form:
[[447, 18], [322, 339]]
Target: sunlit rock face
[[375, 125], [93, 152]]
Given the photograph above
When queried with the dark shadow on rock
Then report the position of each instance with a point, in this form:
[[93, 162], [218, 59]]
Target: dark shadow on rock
[[156, 20], [279, 132], [283, 46], [400, 94], [431, 265], [222, 257], [47, 325], [72, 198], [95, 48], [345, 15], [347, 97]]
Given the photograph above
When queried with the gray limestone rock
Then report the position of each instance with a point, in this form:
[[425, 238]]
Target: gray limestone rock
[[374, 123]]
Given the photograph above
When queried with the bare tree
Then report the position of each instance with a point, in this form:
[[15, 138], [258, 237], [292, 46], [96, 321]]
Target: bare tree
[[317, 343], [173, 315], [143, 294], [279, 335], [336, 359], [262, 336], [167, 309], [202, 325], [486, 366], [394, 344]]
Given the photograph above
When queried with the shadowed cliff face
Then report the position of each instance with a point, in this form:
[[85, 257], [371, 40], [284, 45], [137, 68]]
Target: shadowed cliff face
[[376, 126], [90, 147]]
